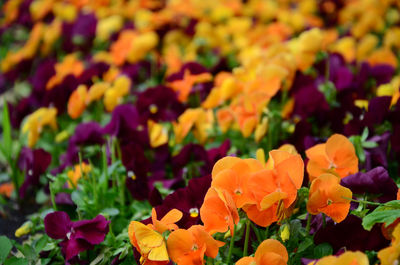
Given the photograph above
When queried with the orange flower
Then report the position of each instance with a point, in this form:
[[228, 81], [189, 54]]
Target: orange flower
[[184, 86], [77, 102], [187, 247], [328, 197], [336, 156], [390, 255], [75, 174], [6, 189], [149, 241], [167, 222], [284, 178], [347, 258], [69, 65], [218, 211], [269, 252], [232, 174]]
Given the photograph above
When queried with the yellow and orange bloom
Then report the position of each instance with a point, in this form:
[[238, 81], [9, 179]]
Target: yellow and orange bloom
[[148, 239], [329, 197], [157, 133], [184, 86], [391, 254], [269, 252], [186, 247], [6, 189], [37, 121], [347, 258], [199, 119], [75, 174], [336, 156]]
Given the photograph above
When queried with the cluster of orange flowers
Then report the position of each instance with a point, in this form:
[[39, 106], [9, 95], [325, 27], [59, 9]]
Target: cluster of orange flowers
[[265, 191]]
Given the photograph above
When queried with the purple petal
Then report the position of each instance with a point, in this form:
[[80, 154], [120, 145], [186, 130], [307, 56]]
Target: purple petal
[[72, 247], [57, 225], [375, 181], [93, 231]]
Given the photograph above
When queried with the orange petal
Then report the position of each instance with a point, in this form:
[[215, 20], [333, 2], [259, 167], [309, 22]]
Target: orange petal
[[246, 261], [271, 246]]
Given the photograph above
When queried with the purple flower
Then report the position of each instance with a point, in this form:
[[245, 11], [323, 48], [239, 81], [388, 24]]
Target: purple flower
[[159, 103], [351, 235], [80, 34], [77, 236], [375, 181], [88, 133], [34, 162], [126, 126]]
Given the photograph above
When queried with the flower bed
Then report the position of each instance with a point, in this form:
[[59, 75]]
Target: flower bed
[[200, 132]]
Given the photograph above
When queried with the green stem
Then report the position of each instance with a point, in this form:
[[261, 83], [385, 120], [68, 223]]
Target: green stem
[[53, 197], [365, 202], [323, 220], [246, 239], [256, 232], [231, 246], [105, 169], [308, 223]]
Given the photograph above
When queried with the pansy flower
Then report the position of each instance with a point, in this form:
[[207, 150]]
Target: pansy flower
[[218, 212], [77, 236], [148, 239], [347, 258], [269, 252], [189, 246], [33, 162], [329, 197], [336, 156], [37, 121], [391, 254]]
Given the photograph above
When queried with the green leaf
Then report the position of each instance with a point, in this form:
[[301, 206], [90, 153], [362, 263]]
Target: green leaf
[[305, 244], [5, 248], [379, 216], [16, 261], [322, 250], [27, 251], [369, 144], [7, 141]]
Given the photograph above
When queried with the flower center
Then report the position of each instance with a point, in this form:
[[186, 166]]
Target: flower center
[[131, 174], [238, 191], [195, 247], [194, 212], [153, 108]]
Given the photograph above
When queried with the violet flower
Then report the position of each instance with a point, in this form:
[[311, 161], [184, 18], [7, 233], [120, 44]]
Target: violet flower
[[159, 103], [375, 181], [34, 162], [351, 235], [77, 236]]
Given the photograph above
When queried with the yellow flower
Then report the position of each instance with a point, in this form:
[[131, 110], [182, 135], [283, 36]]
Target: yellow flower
[[40, 8], [107, 26], [51, 33], [347, 258], [113, 95], [261, 129], [390, 89], [157, 133], [96, 91], [141, 46], [62, 136], [24, 229], [65, 12], [390, 255], [285, 233], [36, 121], [198, 118], [345, 46]]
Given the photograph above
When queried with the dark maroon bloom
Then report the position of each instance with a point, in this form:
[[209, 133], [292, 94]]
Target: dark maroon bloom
[[77, 236], [351, 235], [34, 163], [377, 156], [193, 68], [188, 200], [44, 72], [59, 94], [80, 34], [375, 181], [91, 71], [191, 161], [159, 103], [125, 125], [137, 167], [88, 133]]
